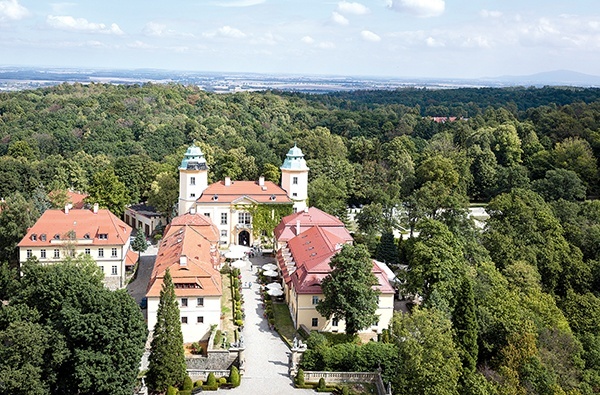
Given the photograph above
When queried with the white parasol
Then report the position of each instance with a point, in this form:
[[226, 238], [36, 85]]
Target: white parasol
[[275, 292], [269, 266], [270, 273], [238, 264], [274, 286]]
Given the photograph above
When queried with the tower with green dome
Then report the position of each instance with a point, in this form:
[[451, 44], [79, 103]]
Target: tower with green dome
[[193, 178], [294, 178]]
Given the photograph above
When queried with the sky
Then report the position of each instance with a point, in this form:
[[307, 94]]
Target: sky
[[388, 38]]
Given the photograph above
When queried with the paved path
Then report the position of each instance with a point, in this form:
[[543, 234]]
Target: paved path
[[266, 354]]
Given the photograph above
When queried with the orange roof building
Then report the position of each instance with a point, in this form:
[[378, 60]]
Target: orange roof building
[[225, 201], [189, 249], [98, 233], [309, 240]]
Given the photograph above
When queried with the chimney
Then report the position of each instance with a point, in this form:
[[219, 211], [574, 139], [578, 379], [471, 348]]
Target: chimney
[[297, 227], [227, 181], [183, 261], [96, 206], [66, 209], [261, 181]]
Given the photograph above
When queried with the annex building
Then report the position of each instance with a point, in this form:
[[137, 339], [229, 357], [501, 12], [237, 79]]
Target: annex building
[[189, 249], [227, 202], [307, 241], [59, 234]]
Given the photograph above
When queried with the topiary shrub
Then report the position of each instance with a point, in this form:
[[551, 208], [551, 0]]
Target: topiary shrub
[[300, 377], [211, 380], [187, 383], [198, 383], [321, 385], [218, 338], [222, 380], [172, 390], [234, 376], [345, 390]]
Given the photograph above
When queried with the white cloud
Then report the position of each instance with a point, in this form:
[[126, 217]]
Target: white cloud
[[326, 45], [433, 43], [139, 45], [154, 29], [346, 7], [226, 31], [421, 8], [339, 19], [12, 10], [59, 8], [370, 36], [307, 40], [240, 3], [490, 14], [66, 22]]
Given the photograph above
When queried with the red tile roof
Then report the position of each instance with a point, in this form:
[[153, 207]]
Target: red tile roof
[[195, 238], [85, 224], [268, 193], [308, 219]]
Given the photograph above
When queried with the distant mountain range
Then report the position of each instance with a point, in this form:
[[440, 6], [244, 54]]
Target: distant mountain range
[[18, 78]]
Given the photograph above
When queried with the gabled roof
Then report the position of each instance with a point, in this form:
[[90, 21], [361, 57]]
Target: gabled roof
[[194, 238], [145, 210], [219, 193], [52, 228], [309, 218]]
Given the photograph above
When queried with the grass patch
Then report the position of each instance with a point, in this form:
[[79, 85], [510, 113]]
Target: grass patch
[[283, 322], [227, 320]]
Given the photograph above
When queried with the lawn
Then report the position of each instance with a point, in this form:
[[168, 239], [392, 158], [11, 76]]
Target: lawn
[[227, 320], [283, 322]]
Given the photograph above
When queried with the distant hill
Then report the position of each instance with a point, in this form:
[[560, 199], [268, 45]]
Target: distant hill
[[550, 78]]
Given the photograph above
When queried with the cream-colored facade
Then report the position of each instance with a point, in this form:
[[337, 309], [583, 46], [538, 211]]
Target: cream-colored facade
[[197, 314]]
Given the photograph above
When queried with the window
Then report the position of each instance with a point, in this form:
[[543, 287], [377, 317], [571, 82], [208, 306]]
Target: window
[[184, 320], [315, 322], [192, 180], [184, 302], [42, 253], [101, 268], [244, 218], [87, 251], [335, 322], [295, 180], [29, 253], [56, 253], [100, 252], [294, 194], [315, 300], [200, 320], [192, 195], [200, 302], [43, 237], [33, 237], [113, 252], [223, 218], [114, 270], [207, 215], [103, 236], [223, 233]]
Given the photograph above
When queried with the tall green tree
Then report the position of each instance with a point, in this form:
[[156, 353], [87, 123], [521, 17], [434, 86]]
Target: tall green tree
[[166, 364], [163, 193], [16, 215], [348, 289], [139, 243], [108, 191], [387, 250], [465, 325]]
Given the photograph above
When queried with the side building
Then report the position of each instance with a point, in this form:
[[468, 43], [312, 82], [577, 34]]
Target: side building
[[59, 234], [228, 202], [307, 241], [189, 249]]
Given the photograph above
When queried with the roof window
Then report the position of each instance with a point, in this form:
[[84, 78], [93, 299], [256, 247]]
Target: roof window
[[86, 236], [57, 236], [34, 237], [103, 236], [215, 197], [43, 237], [273, 197]]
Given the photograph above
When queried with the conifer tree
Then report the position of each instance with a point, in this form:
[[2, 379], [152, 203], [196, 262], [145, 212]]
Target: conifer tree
[[465, 326], [387, 251], [166, 364]]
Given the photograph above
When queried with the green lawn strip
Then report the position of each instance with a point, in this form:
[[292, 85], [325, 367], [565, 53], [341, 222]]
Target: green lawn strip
[[283, 322]]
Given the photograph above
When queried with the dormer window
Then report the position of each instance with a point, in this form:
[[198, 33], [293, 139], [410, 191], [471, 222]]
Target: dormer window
[[215, 197], [86, 236], [34, 237], [57, 236], [103, 236], [273, 197], [43, 237]]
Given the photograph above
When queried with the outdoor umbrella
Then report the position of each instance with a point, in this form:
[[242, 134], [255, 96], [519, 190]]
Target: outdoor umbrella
[[269, 266], [238, 264], [236, 254], [274, 286], [270, 273], [275, 292]]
